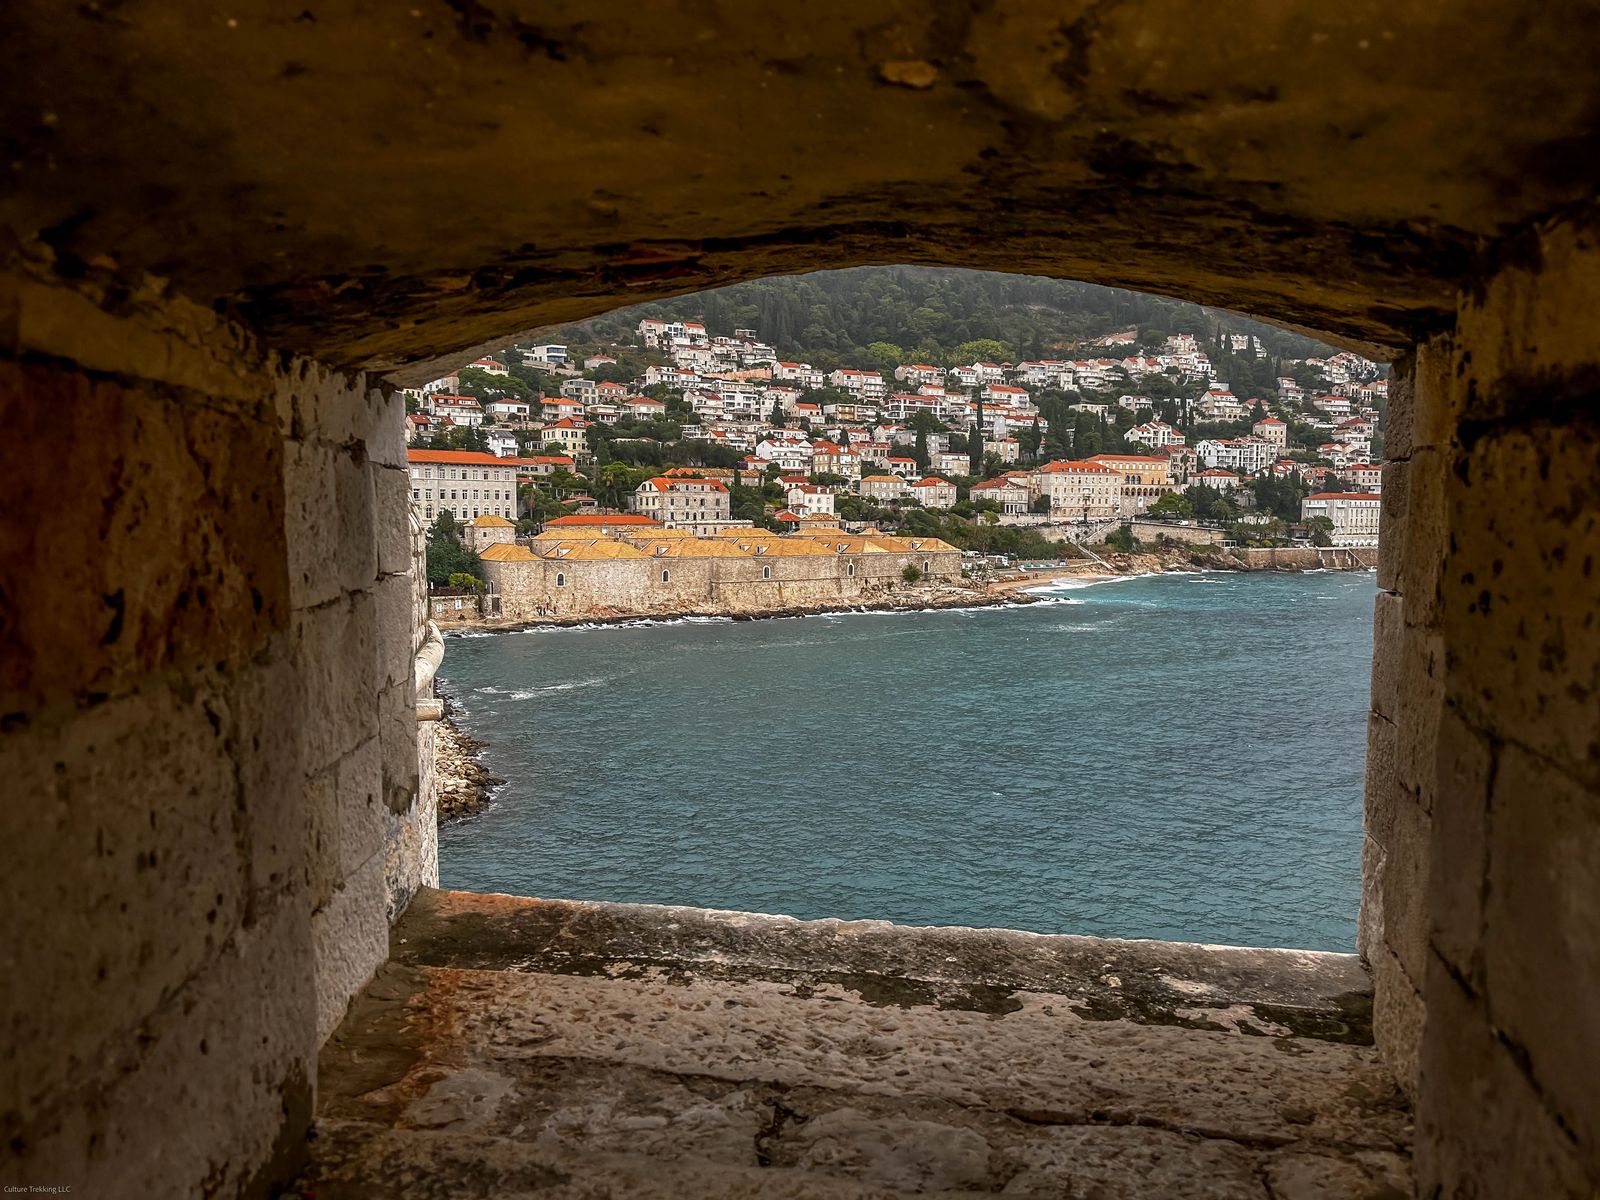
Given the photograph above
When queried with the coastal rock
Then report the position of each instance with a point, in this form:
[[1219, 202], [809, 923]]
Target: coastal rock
[[465, 787]]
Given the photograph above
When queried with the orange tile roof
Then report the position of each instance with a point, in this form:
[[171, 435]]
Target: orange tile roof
[[474, 457], [601, 519]]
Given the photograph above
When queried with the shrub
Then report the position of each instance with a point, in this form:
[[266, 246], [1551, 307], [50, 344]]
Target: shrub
[[911, 574]]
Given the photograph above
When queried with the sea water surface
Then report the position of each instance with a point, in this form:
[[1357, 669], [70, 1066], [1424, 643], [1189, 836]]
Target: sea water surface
[[1174, 756]]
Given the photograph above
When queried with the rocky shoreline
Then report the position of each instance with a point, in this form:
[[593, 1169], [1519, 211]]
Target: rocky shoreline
[[1005, 590], [965, 596], [465, 787]]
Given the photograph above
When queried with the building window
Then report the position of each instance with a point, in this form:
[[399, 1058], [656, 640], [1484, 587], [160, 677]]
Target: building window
[[666, 576], [766, 572], [850, 570], [561, 579]]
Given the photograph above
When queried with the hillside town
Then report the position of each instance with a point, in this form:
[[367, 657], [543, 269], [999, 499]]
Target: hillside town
[[704, 432]]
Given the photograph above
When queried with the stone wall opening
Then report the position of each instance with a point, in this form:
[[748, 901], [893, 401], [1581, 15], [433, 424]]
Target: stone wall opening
[[223, 229]]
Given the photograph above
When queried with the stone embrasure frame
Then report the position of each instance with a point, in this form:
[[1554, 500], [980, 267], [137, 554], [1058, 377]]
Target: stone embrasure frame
[[203, 696]]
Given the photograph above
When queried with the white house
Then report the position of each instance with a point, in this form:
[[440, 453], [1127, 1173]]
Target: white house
[[809, 500], [1355, 515], [1010, 494]]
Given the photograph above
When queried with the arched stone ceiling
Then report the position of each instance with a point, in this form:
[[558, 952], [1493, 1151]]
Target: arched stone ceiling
[[385, 183]]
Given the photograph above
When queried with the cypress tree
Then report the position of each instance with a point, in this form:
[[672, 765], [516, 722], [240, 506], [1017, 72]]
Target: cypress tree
[[975, 445]]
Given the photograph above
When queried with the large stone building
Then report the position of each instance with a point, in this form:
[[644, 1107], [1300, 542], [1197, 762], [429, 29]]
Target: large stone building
[[465, 483], [644, 571], [229, 235]]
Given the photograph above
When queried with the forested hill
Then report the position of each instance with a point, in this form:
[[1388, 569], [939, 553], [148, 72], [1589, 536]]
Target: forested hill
[[879, 316]]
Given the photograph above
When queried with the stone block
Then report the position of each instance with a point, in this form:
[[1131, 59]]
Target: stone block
[[1522, 614], [179, 511], [1391, 546], [1398, 420], [1388, 643], [386, 428], [411, 852], [1434, 410], [392, 514], [201, 1102], [1482, 1129], [393, 596], [360, 805], [1369, 922], [265, 733], [322, 855], [336, 662], [125, 873], [1382, 783], [1427, 540], [1420, 702], [1397, 1019], [1542, 932], [333, 407], [1460, 871], [311, 519], [1406, 864], [398, 735], [357, 559], [350, 938]]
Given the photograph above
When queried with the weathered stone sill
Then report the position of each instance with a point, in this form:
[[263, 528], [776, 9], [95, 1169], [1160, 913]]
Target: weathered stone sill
[[531, 1047]]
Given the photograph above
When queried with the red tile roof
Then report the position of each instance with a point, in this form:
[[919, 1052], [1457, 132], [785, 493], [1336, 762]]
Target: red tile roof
[[458, 457], [600, 519]]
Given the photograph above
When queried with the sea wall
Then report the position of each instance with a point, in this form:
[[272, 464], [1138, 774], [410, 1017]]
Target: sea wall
[[747, 584], [1308, 558]]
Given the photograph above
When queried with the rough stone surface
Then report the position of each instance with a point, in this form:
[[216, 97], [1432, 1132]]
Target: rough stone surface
[[562, 1049], [1506, 1101], [200, 823], [1338, 168]]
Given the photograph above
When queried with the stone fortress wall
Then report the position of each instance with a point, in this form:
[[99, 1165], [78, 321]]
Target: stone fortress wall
[[215, 800], [685, 581]]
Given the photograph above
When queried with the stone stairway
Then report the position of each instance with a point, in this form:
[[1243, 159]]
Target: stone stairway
[[516, 1047]]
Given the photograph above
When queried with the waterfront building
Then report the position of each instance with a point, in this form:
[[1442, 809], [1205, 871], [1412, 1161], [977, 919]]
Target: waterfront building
[[467, 483], [1355, 515], [1084, 491]]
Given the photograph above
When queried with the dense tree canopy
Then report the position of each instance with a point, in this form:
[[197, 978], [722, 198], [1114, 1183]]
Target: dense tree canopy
[[882, 317]]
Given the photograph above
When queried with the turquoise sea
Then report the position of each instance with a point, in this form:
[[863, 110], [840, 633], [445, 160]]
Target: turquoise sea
[[1174, 756]]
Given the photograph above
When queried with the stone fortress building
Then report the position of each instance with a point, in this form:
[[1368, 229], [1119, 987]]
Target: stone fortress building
[[229, 236], [656, 569]]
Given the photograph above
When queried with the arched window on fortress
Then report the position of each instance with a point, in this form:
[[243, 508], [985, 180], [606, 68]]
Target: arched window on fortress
[[666, 576], [766, 572], [561, 579]]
